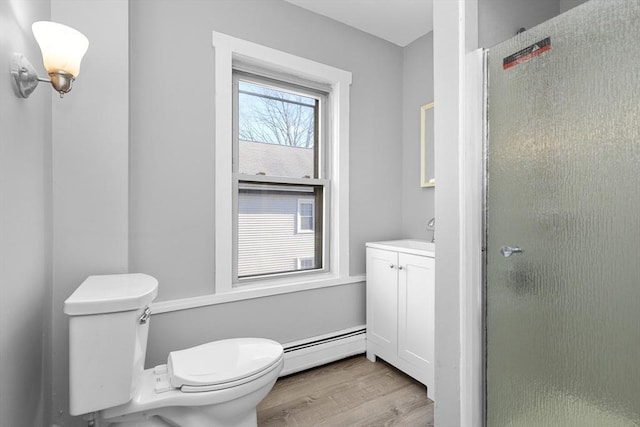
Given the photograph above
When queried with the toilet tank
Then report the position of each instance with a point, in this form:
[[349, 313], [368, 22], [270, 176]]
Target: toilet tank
[[108, 328]]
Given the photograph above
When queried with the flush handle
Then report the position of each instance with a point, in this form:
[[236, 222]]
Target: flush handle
[[144, 318], [507, 251]]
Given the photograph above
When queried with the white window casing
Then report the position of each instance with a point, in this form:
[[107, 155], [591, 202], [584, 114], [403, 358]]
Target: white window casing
[[230, 53]]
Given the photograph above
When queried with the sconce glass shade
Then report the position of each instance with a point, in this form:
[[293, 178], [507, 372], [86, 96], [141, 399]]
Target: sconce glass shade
[[62, 47]]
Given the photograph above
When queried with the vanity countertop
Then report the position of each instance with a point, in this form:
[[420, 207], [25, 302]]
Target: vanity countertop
[[409, 246]]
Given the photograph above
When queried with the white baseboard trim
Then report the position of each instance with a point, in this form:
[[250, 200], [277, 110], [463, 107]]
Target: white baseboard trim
[[323, 349]]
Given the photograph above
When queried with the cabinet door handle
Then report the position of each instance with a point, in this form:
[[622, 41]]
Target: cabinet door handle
[[400, 267], [392, 266]]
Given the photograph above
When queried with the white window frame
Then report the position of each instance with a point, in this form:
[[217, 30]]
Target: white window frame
[[230, 53], [301, 202]]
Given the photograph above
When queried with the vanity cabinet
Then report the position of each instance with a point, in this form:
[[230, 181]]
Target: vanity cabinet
[[400, 307]]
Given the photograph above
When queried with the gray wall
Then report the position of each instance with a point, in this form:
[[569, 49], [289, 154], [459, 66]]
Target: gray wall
[[25, 229], [172, 153], [499, 20], [90, 171], [570, 4], [285, 318], [417, 90], [172, 130]]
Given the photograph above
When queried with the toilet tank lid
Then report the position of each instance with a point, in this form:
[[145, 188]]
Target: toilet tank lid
[[112, 293]]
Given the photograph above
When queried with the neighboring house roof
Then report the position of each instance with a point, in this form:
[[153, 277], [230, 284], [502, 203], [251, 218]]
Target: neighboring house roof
[[275, 160]]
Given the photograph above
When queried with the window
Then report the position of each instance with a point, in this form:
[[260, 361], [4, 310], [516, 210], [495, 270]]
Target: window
[[255, 184], [305, 263], [306, 216], [278, 171]]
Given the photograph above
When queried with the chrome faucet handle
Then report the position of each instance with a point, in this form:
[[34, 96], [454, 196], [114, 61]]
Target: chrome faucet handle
[[432, 226]]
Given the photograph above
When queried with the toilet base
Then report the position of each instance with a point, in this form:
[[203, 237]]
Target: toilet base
[[238, 411], [157, 420]]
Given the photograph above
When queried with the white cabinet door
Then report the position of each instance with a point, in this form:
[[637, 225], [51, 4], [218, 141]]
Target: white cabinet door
[[382, 300], [416, 281]]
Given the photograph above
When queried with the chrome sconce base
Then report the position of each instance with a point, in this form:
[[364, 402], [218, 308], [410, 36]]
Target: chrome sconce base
[[25, 79], [62, 82]]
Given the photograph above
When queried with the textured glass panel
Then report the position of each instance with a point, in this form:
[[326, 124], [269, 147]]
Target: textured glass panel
[[563, 317]]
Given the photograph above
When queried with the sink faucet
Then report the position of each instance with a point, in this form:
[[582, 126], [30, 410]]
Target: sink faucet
[[432, 226]]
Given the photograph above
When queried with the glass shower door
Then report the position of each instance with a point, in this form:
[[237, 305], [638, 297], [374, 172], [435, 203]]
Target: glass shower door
[[563, 221]]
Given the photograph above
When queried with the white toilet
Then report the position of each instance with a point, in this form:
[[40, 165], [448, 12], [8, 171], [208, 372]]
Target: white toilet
[[215, 384]]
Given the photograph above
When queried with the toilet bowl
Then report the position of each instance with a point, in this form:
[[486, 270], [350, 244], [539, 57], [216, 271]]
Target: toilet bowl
[[215, 384], [203, 386]]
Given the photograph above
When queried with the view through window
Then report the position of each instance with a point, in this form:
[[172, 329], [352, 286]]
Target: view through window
[[279, 177]]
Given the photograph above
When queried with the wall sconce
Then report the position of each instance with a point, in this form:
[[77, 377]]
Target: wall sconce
[[62, 50]]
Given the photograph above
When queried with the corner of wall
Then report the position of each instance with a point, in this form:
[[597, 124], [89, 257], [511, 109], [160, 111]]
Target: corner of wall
[[25, 230], [417, 90], [90, 168]]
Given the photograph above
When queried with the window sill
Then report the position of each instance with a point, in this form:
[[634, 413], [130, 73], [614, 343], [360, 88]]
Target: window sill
[[245, 293]]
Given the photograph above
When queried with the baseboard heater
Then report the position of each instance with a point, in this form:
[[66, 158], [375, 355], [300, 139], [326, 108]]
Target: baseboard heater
[[319, 350]]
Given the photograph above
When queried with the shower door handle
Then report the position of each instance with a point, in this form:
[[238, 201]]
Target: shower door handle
[[507, 251]]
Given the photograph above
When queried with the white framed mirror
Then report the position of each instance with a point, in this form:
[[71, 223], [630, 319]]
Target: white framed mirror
[[427, 169]]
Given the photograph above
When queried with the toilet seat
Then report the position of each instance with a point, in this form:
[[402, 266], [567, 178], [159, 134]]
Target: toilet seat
[[222, 364]]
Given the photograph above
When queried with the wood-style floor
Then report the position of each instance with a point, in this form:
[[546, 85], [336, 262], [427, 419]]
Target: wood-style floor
[[349, 392]]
